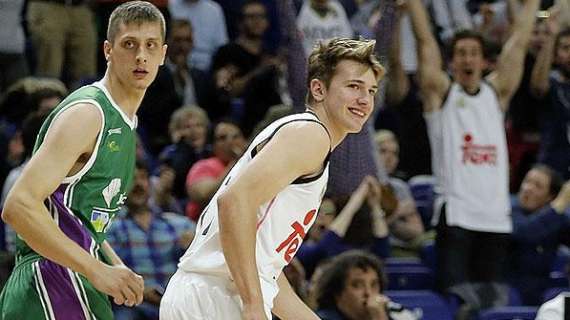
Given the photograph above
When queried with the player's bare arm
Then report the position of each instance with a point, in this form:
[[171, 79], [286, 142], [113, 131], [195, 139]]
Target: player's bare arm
[[297, 149], [507, 77], [70, 141], [288, 305], [433, 81]]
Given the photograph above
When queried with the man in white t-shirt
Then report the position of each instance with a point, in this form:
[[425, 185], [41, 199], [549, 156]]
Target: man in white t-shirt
[[465, 120]]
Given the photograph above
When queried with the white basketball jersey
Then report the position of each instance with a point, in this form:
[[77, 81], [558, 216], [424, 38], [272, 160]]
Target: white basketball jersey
[[470, 160], [282, 222]]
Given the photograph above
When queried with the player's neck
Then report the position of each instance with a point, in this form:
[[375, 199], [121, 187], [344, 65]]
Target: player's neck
[[336, 133], [126, 98]]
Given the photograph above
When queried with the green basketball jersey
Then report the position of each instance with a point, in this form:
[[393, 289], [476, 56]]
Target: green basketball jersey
[[84, 204]]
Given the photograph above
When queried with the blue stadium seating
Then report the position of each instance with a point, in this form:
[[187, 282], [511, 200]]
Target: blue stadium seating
[[509, 313], [428, 304]]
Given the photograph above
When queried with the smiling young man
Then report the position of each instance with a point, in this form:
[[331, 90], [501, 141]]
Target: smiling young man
[[465, 121], [257, 220], [76, 181]]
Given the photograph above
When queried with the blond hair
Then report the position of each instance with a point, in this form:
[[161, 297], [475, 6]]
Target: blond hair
[[180, 115], [326, 56], [384, 135]]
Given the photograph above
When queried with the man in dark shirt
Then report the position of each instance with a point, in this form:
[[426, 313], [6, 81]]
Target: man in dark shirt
[[245, 74], [540, 220], [176, 84]]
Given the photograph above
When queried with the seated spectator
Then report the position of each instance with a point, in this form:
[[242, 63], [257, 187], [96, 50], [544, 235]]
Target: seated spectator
[[206, 175], [188, 128], [149, 241], [359, 225], [209, 24], [29, 132], [245, 72], [405, 224], [350, 287], [540, 222], [177, 84], [326, 215], [27, 96]]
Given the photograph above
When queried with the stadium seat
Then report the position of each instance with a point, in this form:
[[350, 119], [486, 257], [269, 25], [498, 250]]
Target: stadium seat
[[422, 188], [394, 262], [427, 304], [410, 278], [509, 313], [428, 255]]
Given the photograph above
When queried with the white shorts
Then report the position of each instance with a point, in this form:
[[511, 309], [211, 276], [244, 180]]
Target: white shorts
[[193, 296]]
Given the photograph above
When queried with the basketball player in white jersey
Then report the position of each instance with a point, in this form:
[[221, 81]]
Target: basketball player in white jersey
[[465, 118], [256, 221]]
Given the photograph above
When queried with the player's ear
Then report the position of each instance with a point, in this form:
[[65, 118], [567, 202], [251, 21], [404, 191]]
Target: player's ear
[[318, 89], [107, 47], [164, 49]]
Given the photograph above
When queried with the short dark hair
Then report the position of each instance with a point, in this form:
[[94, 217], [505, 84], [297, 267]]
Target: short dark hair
[[138, 12], [556, 180], [333, 279], [142, 165], [180, 23], [562, 34], [466, 34], [248, 3]]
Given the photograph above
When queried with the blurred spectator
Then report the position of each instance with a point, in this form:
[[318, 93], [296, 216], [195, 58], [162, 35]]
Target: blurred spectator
[[526, 113], [63, 31], [351, 287], [555, 56], [540, 221], [149, 241], [209, 24], [163, 191], [29, 132], [405, 224], [402, 101], [13, 64], [188, 129], [245, 74], [356, 153], [26, 96], [322, 20], [29, 95], [206, 175], [326, 215], [275, 112], [465, 120], [176, 84], [360, 224], [493, 21]]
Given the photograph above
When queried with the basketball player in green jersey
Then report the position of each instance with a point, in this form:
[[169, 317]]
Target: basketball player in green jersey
[[76, 181]]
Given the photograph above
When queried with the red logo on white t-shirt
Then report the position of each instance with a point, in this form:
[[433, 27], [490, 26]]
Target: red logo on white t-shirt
[[294, 240], [478, 154]]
